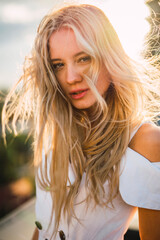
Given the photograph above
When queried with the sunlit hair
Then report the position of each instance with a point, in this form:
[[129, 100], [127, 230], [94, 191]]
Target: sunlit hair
[[91, 142]]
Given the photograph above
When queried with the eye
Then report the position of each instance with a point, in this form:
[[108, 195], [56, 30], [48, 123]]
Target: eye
[[84, 59], [57, 66]]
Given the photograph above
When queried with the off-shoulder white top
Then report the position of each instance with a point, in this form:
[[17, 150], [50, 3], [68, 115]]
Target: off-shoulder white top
[[139, 187]]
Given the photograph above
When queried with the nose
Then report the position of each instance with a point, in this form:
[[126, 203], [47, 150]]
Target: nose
[[73, 75]]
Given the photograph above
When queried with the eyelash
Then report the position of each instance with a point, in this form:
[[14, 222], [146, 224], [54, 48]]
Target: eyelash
[[84, 59], [58, 66]]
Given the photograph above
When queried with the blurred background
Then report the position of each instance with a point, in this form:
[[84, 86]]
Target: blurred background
[[136, 22]]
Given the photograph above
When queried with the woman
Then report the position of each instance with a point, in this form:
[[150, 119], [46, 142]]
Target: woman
[[96, 147]]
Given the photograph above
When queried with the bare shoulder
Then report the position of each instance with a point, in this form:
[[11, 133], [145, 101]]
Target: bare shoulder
[[147, 142]]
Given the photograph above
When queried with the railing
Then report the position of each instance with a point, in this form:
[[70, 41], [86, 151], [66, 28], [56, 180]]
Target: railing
[[19, 225]]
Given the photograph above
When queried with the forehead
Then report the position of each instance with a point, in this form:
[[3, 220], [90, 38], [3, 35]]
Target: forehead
[[63, 42]]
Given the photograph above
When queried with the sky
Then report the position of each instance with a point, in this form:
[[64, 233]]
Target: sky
[[19, 21]]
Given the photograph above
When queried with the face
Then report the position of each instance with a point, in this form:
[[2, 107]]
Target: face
[[69, 63]]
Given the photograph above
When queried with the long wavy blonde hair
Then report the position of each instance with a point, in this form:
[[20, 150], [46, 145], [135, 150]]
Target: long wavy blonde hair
[[92, 142]]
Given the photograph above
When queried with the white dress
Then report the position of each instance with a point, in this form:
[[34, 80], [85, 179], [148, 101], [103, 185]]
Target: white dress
[[139, 187]]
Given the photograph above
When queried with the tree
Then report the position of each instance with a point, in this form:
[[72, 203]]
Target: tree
[[153, 37]]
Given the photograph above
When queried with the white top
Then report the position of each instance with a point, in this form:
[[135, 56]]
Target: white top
[[138, 188]]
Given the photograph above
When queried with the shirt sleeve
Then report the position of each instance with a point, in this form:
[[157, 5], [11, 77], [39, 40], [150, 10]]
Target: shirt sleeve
[[139, 182]]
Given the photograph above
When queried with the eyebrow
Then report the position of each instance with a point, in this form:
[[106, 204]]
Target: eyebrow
[[76, 55]]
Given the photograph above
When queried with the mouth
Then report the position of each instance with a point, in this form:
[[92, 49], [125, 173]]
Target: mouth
[[78, 94]]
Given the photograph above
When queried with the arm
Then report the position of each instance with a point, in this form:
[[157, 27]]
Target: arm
[[147, 143], [149, 224], [35, 234]]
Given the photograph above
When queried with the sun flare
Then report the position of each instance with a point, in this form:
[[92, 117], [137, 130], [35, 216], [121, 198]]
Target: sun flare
[[129, 20]]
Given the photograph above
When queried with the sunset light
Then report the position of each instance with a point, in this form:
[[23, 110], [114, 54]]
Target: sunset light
[[19, 21], [129, 21]]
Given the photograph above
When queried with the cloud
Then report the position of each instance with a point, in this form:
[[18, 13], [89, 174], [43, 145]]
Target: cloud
[[19, 13]]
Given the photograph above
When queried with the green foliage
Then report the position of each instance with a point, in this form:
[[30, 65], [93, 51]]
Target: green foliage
[[13, 157], [16, 155]]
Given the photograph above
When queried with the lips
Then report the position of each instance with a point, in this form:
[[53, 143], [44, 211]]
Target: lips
[[77, 94]]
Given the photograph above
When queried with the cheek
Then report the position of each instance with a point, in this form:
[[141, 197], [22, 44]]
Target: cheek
[[103, 83], [103, 88], [61, 81], [63, 87]]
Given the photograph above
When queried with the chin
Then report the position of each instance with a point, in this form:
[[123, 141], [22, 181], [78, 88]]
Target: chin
[[85, 106]]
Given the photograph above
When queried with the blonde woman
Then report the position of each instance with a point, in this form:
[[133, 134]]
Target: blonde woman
[[96, 148]]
